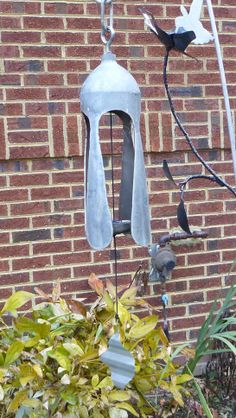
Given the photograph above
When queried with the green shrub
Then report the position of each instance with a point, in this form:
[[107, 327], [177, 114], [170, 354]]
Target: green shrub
[[50, 365]]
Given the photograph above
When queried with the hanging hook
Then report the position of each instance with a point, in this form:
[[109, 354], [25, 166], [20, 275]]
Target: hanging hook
[[108, 32]]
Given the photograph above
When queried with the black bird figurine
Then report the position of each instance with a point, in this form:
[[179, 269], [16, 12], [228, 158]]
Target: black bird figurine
[[171, 40]]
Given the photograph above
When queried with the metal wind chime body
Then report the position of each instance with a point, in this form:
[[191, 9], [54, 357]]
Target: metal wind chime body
[[112, 89]]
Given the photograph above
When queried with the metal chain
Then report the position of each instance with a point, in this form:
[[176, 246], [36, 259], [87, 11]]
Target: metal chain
[[108, 32]]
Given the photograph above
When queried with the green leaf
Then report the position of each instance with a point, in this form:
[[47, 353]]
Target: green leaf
[[69, 395], [24, 324], [202, 400], [13, 352], [83, 412], [127, 407], [1, 359], [60, 354], [16, 300], [143, 327], [226, 342]]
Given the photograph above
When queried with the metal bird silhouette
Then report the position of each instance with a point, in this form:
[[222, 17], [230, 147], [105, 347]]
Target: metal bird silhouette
[[171, 40], [191, 21]]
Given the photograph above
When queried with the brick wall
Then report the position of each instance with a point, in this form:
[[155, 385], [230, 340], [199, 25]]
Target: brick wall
[[47, 48]]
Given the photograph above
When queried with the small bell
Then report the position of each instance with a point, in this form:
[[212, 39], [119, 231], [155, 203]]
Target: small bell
[[111, 88]]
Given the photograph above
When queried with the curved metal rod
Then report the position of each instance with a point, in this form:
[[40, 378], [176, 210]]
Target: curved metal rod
[[177, 236], [185, 133]]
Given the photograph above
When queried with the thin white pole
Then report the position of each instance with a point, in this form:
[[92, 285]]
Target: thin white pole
[[224, 83]]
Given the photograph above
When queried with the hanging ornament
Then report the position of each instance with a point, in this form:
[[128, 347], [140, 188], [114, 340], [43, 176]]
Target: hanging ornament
[[111, 88], [120, 362], [191, 21]]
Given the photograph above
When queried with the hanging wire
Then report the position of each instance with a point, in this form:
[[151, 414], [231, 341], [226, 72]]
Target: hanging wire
[[113, 214], [108, 32]]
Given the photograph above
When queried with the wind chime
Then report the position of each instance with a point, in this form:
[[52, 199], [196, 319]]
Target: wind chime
[[112, 89]]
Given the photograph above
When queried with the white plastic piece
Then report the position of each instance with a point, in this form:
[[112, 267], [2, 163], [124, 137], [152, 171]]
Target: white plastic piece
[[191, 21]]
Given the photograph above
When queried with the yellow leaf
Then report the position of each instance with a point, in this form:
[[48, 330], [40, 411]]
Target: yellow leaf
[[129, 294], [90, 355], [127, 407], [38, 370], [106, 383], [118, 395], [183, 378], [143, 327], [73, 349], [13, 352], [124, 315], [19, 398], [16, 300], [95, 380], [109, 302]]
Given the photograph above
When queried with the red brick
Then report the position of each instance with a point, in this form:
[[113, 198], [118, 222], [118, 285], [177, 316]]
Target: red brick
[[11, 109], [14, 223], [58, 136], [66, 65], [2, 139], [41, 51], [9, 51], [29, 152], [31, 263], [14, 251], [49, 193], [185, 298], [52, 247], [24, 37], [24, 137], [72, 135], [64, 8], [14, 278], [51, 275], [13, 195], [26, 94], [7, 22], [74, 259], [29, 208], [60, 38], [51, 220], [27, 123], [42, 22], [29, 180]]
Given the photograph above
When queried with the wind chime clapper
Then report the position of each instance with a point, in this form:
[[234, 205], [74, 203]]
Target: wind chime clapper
[[110, 88]]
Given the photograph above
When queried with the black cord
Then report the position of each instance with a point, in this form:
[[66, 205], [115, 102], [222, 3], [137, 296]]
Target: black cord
[[113, 214], [185, 133]]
